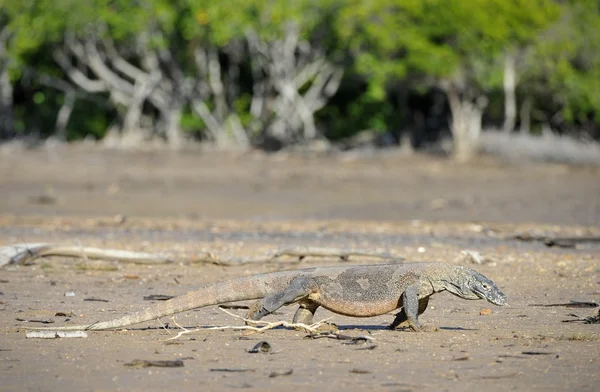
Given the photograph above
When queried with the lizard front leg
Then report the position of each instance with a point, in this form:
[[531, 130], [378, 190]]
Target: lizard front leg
[[401, 319], [296, 291], [412, 307]]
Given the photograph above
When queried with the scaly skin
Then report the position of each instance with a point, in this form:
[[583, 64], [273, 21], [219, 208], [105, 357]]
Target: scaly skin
[[357, 291]]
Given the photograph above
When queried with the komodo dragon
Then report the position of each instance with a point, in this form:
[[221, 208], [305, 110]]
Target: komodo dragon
[[357, 291]]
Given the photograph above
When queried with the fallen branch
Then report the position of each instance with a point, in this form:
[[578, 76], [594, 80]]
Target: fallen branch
[[252, 325], [571, 304], [55, 334], [26, 253], [557, 241], [587, 320], [472, 256], [344, 254], [338, 336], [144, 363]]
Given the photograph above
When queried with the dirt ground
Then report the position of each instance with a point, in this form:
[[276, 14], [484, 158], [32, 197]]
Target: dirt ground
[[249, 204]]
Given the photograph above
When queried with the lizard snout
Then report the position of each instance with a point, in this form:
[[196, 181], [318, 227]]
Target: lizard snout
[[497, 298]]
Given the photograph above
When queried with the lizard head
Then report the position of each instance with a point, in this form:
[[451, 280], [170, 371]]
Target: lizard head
[[469, 284]]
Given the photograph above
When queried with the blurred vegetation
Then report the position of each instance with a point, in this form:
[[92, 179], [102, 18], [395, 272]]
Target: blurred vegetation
[[269, 73]]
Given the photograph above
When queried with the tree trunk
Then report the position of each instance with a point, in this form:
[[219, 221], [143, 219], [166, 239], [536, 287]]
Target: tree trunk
[[292, 81], [237, 131], [132, 124], [6, 106], [173, 130], [64, 115], [525, 115], [466, 123], [510, 85], [6, 89]]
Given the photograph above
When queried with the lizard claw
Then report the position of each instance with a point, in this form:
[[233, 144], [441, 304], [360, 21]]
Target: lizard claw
[[424, 328]]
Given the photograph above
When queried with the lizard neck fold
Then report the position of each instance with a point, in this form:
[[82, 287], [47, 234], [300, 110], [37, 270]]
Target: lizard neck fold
[[435, 288]]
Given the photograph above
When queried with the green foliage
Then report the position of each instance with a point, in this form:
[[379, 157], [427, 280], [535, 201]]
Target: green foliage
[[419, 43], [242, 109], [355, 109], [191, 123], [206, 19], [89, 119], [437, 38], [565, 63]]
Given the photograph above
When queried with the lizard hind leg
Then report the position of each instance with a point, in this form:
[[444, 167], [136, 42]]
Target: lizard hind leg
[[305, 313], [293, 293]]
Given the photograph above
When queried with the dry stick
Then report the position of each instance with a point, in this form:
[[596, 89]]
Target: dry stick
[[55, 334], [312, 328], [25, 253], [551, 240], [303, 251]]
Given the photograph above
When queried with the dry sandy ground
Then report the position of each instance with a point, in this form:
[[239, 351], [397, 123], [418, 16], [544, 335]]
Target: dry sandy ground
[[420, 207]]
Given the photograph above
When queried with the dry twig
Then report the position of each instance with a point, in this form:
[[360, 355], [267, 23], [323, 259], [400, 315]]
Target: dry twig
[[252, 325], [26, 253]]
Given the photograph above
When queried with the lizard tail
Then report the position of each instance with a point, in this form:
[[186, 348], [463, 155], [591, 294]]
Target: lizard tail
[[238, 289]]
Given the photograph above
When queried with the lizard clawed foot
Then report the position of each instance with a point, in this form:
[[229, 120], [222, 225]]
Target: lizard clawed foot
[[424, 328], [413, 327], [254, 312], [397, 326], [328, 328]]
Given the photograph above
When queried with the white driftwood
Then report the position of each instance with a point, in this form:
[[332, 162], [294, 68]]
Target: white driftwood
[[252, 325], [26, 253], [55, 334]]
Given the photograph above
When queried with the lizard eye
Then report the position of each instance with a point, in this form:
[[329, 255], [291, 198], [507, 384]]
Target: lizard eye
[[485, 287]]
